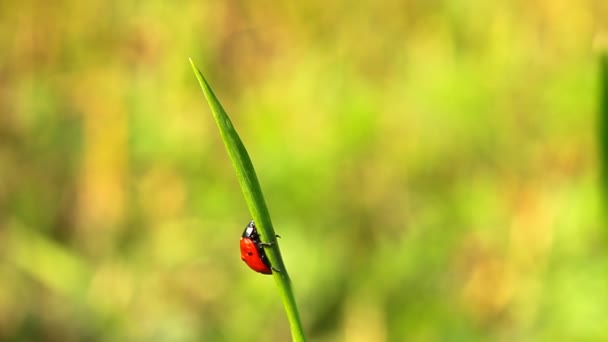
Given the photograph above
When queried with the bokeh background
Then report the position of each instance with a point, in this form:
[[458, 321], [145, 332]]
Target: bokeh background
[[432, 166]]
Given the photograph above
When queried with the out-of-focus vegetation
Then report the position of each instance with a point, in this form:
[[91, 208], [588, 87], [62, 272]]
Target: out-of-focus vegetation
[[432, 167]]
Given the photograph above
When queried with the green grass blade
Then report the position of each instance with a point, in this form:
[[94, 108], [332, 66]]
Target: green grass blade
[[255, 201]]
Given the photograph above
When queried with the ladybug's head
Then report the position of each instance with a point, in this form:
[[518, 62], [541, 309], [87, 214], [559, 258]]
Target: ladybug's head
[[250, 231]]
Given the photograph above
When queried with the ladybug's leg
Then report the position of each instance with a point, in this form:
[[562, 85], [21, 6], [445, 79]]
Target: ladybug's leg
[[268, 244]]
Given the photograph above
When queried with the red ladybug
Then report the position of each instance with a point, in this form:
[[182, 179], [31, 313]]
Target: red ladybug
[[252, 250]]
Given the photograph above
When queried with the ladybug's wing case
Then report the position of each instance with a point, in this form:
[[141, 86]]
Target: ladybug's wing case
[[254, 256]]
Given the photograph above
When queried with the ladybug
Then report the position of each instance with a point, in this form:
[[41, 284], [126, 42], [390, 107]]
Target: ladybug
[[252, 250]]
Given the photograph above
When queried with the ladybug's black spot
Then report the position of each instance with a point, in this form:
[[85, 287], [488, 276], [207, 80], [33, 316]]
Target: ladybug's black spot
[[249, 253]]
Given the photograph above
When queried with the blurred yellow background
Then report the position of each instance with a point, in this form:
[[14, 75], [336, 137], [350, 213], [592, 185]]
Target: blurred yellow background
[[431, 166]]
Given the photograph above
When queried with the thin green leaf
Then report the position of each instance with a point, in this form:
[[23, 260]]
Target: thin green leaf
[[255, 201]]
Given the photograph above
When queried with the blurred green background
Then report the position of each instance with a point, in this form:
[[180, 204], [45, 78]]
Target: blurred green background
[[432, 167]]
